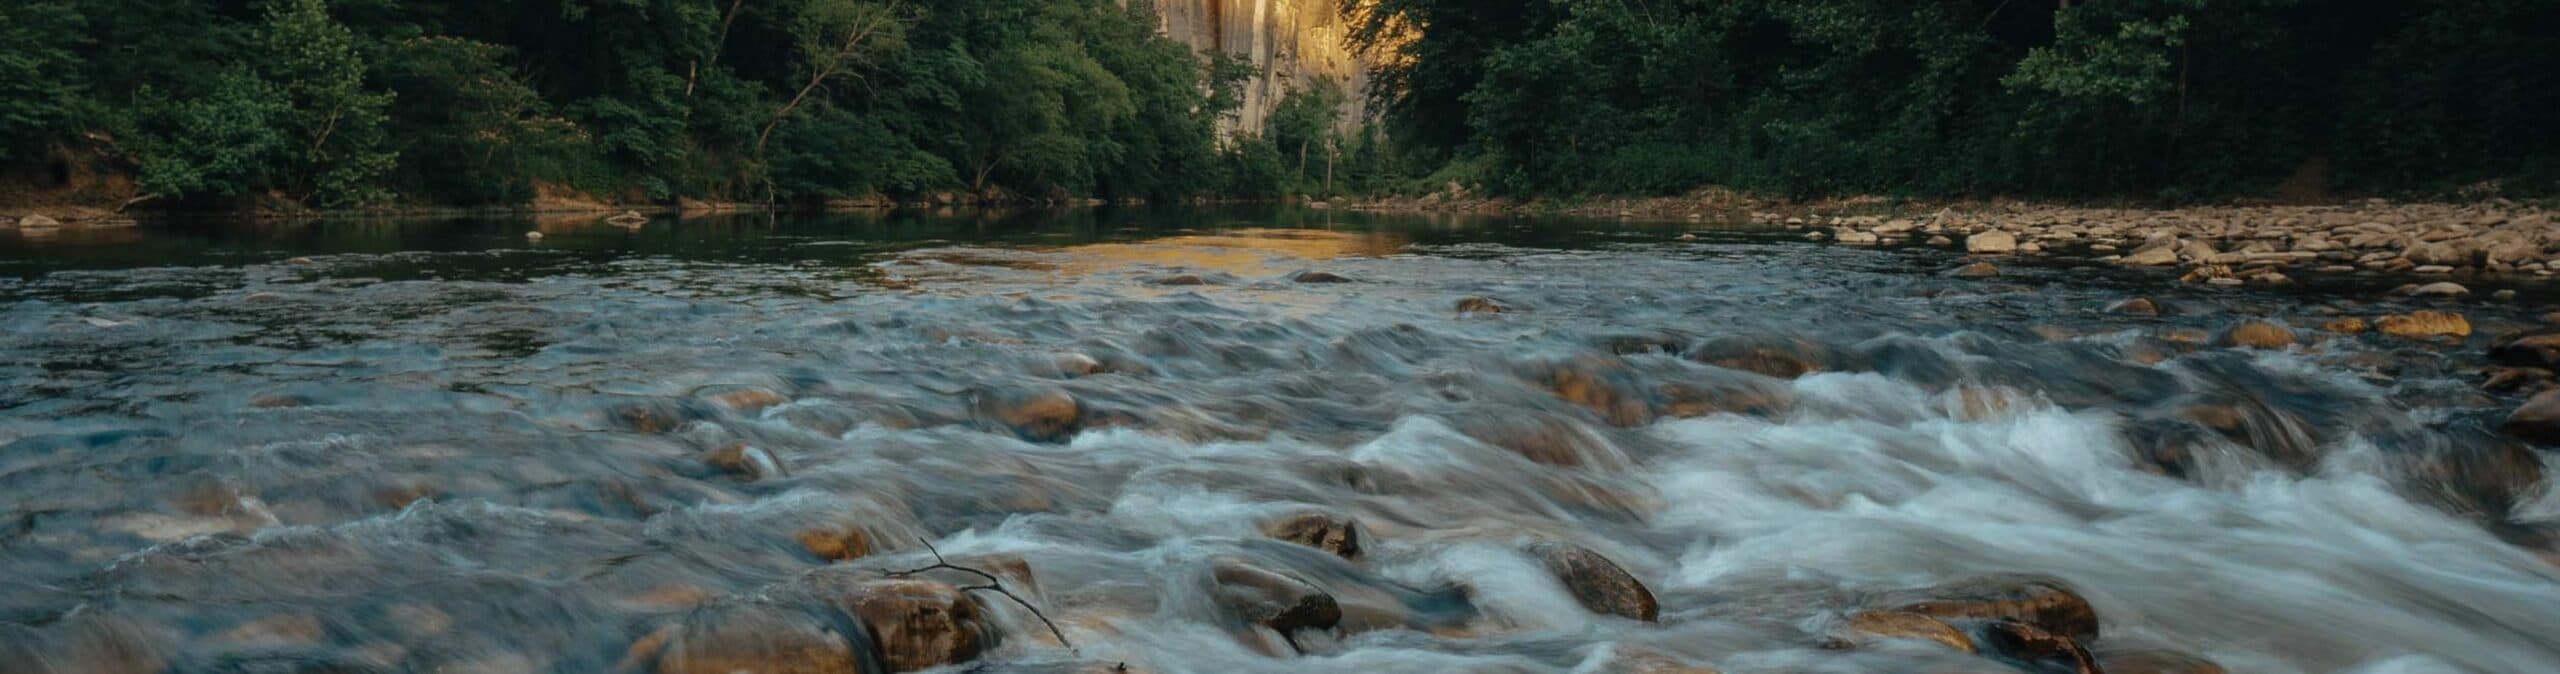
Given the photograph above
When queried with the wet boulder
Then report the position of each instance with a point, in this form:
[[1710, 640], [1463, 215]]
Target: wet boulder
[[1267, 598], [747, 462], [1596, 582], [912, 623], [2045, 602], [2531, 350], [2139, 306], [834, 543], [2349, 325], [2424, 325], [1332, 533], [1482, 305], [1975, 270], [1866, 626], [2256, 335], [2537, 421], [1036, 414], [1605, 385], [1778, 356], [1318, 277], [1993, 242], [773, 638], [1179, 280], [2035, 648]]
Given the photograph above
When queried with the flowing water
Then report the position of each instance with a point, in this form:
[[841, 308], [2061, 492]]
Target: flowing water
[[441, 447]]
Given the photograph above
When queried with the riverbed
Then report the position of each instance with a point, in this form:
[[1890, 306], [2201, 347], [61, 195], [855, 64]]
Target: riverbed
[[445, 446]]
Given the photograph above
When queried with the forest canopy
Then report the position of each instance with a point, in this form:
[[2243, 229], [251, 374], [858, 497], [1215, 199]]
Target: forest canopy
[[336, 103], [2166, 98]]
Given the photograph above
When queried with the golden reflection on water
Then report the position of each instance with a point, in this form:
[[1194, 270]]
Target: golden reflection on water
[[1245, 253]]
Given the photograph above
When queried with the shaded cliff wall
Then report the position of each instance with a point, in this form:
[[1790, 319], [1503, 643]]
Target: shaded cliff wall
[[1292, 42]]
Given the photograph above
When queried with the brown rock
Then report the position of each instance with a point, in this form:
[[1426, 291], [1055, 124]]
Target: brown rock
[[835, 543], [1274, 600], [2537, 420], [2424, 325], [1604, 384], [2532, 350], [1599, 584], [1039, 415], [2256, 335], [1865, 625], [2139, 306], [727, 638], [1772, 355], [921, 624], [1180, 280], [2031, 643], [1976, 270], [2346, 326], [748, 398], [1991, 242], [2041, 601], [1482, 305], [2506, 379], [1323, 531], [1319, 277], [746, 461]]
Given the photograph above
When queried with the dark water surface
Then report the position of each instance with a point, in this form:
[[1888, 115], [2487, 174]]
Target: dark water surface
[[442, 447]]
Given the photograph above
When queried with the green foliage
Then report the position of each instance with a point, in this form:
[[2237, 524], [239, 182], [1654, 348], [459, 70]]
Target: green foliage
[[472, 102], [2178, 97], [40, 81]]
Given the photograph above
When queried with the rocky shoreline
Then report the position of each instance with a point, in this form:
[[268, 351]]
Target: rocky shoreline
[[2224, 245]]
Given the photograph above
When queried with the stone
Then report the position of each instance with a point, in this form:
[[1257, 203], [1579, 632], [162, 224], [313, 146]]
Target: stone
[[2439, 289], [1319, 277], [1855, 237], [1271, 599], [1482, 305], [2424, 325], [2045, 602], [1336, 534], [2528, 350], [1866, 625], [2043, 649], [2509, 379], [747, 462], [2256, 335], [1976, 270], [915, 624], [1597, 583], [38, 221], [1604, 384], [2346, 326], [1941, 241], [1038, 414], [835, 543], [1991, 243], [2537, 420], [747, 398], [2139, 306], [533, 236], [2150, 256], [1180, 280], [731, 637]]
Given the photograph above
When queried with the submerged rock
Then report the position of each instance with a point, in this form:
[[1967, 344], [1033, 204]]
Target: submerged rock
[[745, 461], [2346, 326], [1976, 270], [2043, 601], [727, 638], [2424, 325], [2531, 350], [2537, 421], [1597, 583], [2256, 335], [1319, 277], [1323, 531], [2139, 306], [1270, 599], [1037, 414], [1482, 305], [1866, 625]]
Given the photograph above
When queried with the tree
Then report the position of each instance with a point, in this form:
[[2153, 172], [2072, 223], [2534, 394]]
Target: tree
[[41, 88], [341, 151]]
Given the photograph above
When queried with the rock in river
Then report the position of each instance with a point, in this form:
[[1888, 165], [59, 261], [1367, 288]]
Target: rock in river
[[1323, 531], [2538, 420], [1599, 584], [2424, 325], [731, 637], [2256, 335], [1991, 243]]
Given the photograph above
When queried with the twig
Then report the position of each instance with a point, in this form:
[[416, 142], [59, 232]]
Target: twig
[[994, 584]]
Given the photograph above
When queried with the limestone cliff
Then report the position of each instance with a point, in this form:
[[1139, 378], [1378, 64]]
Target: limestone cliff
[[1291, 42]]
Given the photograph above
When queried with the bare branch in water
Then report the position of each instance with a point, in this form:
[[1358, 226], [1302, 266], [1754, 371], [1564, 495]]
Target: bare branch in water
[[993, 584]]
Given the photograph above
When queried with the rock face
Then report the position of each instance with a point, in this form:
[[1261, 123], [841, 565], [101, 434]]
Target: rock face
[[1290, 43], [1599, 584]]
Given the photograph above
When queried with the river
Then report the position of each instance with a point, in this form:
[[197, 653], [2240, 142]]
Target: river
[[441, 446]]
